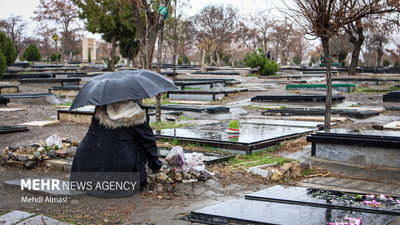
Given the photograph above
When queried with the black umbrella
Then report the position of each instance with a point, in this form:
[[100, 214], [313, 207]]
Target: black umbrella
[[122, 86]]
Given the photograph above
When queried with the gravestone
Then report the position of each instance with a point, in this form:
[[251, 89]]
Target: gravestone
[[252, 137], [367, 147], [12, 129], [295, 98], [294, 206], [392, 97], [4, 101], [360, 114]]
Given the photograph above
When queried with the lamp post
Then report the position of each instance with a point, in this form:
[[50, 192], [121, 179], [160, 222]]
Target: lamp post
[[55, 39]]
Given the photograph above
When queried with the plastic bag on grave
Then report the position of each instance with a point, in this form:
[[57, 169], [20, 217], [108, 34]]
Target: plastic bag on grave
[[196, 164], [54, 139], [176, 159], [195, 160]]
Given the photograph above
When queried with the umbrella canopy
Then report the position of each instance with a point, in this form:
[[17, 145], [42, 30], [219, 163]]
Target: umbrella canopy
[[122, 86]]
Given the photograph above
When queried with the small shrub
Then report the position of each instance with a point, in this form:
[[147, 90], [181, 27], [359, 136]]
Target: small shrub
[[258, 60], [183, 60], [296, 60], [32, 53], [8, 48], [3, 65], [386, 62], [234, 124], [55, 57]]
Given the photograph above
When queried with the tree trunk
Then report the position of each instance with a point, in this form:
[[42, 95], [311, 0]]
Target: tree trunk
[[357, 42], [175, 41], [328, 103], [379, 54], [159, 57], [112, 53], [355, 57], [203, 61], [218, 58]]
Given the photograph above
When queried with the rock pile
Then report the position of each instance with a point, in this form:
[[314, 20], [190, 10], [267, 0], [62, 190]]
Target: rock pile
[[169, 178], [286, 172], [271, 172], [32, 155]]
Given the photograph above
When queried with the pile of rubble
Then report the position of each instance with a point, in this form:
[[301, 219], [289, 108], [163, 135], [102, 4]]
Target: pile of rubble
[[274, 173], [33, 155]]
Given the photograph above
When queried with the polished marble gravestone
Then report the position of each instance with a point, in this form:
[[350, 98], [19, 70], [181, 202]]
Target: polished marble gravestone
[[392, 97], [263, 210], [50, 81], [295, 98], [364, 147], [203, 95], [353, 113], [339, 87], [12, 129], [4, 100], [324, 199], [252, 136]]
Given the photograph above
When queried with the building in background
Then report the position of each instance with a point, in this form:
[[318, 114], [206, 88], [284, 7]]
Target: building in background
[[89, 50]]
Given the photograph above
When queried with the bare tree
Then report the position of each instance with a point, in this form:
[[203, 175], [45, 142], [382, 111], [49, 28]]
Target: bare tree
[[14, 27], [324, 18], [63, 15], [216, 27], [263, 25]]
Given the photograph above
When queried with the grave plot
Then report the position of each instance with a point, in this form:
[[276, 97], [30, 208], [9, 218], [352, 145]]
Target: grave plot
[[392, 97], [387, 205], [295, 98], [339, 87], [374, 81], [27, 95], [243, 211], [12, 129], [4, 101], [203, 95], [20, 64], [252, 137], [194, 108], [209, 158], [334, 73], [7, 88], [80, 115], [67, 91], [29, 98], [227, 81], [359, 114], [193, 85], [289, 123], [51, 81], [365, 148], [18, 76], [216, 73], [169, 73], [83, 75]]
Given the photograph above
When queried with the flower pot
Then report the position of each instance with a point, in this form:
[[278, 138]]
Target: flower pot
[[232, 131]]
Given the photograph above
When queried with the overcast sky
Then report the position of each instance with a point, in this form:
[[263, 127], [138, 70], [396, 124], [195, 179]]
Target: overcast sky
[[26, 8]]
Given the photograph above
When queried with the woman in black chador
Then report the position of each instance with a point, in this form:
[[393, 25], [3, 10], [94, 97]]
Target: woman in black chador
[[119, 140]]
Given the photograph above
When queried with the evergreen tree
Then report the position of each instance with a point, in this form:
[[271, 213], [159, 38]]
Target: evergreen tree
[[32, 53], [3, 64], [8, 48], [111, 18]]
